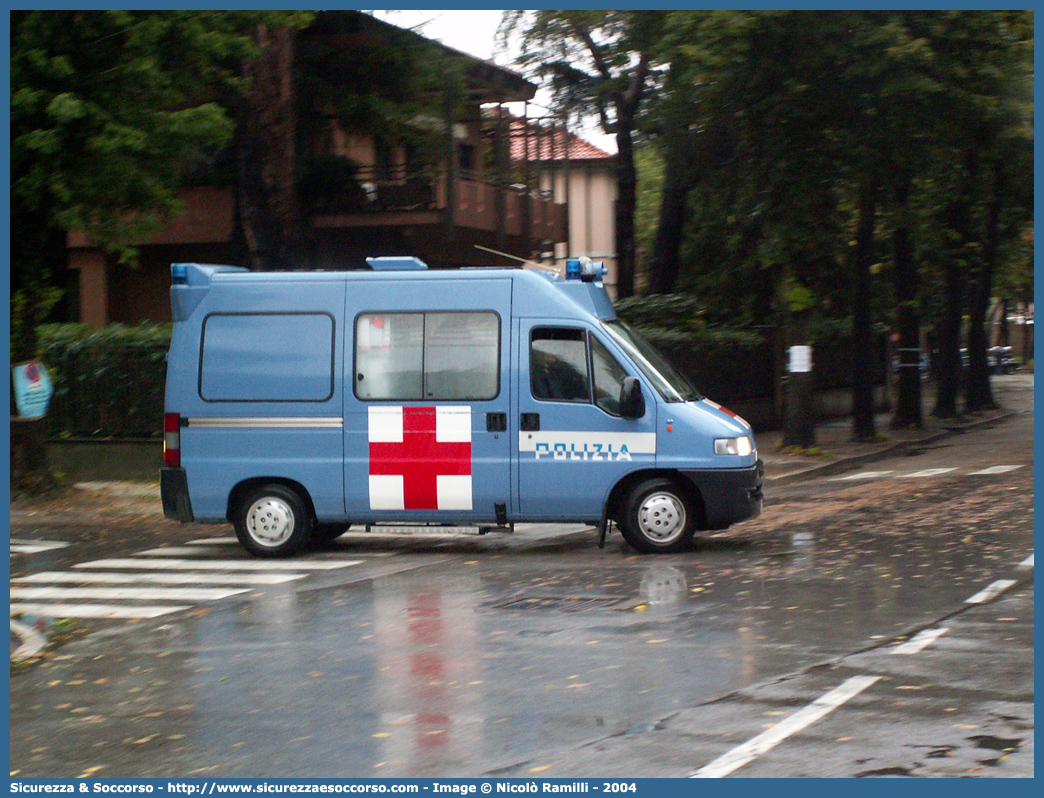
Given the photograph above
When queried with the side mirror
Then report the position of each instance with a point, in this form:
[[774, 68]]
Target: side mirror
[[632, 400]]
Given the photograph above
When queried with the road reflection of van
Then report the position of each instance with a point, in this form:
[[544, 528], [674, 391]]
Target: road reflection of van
[[298, 404]]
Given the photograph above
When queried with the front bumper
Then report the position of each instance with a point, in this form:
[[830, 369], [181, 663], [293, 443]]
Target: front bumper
[[175, 494], [729, 495]]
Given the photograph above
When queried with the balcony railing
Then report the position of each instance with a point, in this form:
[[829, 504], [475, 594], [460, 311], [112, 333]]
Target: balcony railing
[[383, 196]]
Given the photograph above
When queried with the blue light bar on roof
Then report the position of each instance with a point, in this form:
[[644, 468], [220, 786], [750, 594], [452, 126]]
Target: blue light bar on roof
[[396, 264]]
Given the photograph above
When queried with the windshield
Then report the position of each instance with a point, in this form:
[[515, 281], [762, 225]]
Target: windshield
[[672, 386]]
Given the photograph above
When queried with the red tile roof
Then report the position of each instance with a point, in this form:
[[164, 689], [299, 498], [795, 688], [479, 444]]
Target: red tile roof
[[547, 143]]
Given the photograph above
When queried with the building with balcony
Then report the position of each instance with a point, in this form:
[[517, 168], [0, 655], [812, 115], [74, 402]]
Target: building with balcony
[[571, 172], [360, 139]]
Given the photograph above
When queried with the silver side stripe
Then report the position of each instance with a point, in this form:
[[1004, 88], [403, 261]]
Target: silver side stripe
[[296, 422]]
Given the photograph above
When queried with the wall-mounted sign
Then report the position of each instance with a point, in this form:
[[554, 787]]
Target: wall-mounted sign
[[800, 359], [32, 389]]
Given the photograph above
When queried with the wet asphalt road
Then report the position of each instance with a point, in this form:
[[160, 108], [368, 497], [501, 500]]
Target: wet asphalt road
[[541, 654]]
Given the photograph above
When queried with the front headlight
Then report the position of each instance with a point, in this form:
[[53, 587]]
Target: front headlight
[[741, 446]]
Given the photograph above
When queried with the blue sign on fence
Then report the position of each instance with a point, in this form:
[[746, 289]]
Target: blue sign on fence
[[32, 389]]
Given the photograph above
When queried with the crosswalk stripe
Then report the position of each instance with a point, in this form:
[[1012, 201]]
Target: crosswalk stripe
[[85, 590], [923, 473], [125, 593], [96, 610], [226, 541], [220, 565], [927, 472], [863, 475], [179, 578], [176, 551], [35, 546]]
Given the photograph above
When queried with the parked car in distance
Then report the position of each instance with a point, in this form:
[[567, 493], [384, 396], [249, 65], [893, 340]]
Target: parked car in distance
[[1001, 360]]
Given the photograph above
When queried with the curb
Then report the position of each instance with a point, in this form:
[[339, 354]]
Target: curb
[[846, 463]]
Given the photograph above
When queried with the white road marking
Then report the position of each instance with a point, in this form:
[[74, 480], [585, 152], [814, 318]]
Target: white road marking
[[990, 591], [920, 641], [221, 565], [863, 475], [19, 546], [127, 593], [150, 579], [227, 541], [924, 473], [32, 642], [97, 610], [1026, 564], [175, 551], [769, 739], [927, 472], [179, 578]]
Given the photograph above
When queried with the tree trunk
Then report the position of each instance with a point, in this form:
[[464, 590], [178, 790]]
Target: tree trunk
[[29, 471], [798, 416], [947, 365], [627, 102], [958, 218], [666, 260], [688, 156], [862, 332], [908, 402], [626, 201], [978, 393], [268, 213]]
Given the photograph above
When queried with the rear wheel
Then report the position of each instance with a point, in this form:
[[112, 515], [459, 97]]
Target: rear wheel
[[658, 518], [272, 521]]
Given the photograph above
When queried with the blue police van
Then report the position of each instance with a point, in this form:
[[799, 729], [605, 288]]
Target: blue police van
[[299, 403]]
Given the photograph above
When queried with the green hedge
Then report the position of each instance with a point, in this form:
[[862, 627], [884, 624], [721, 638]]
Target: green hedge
[[723, 364], [738, 364], [108, 382]]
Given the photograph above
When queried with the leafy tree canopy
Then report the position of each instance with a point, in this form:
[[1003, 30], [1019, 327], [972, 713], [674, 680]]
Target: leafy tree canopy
[[107, 106]]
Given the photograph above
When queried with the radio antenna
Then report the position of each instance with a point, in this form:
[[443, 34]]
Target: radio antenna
[[540, 266]]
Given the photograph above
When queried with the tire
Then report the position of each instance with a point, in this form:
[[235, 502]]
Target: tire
[[273, 521], [325, 533], [659, 518]]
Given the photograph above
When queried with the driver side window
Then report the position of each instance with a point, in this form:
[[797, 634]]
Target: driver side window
[[563, 364], [558, 365]]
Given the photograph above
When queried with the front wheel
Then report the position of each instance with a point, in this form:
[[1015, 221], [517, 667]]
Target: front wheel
[[658, 518], [272, 521]]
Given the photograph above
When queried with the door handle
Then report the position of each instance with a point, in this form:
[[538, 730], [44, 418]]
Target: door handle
[[530, 422], [496, 422]]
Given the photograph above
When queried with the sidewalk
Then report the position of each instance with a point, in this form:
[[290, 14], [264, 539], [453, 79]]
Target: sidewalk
[[837, 451]]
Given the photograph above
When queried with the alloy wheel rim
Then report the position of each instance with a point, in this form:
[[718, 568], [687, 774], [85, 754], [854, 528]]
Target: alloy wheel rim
[[270, 521], [661, 518]]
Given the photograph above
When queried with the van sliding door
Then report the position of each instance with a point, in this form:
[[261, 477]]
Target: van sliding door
[[426, 421]]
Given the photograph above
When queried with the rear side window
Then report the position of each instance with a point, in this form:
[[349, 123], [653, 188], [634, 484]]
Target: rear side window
[[427, 356], [267, 357]]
